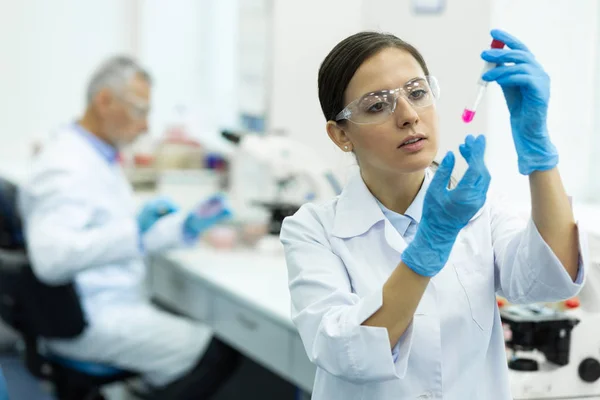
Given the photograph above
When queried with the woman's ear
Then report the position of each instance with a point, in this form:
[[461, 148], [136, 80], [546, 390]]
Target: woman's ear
[[338, 136]]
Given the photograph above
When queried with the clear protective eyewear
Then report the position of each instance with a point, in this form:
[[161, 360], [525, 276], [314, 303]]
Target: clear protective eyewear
[[376, 107], [137, 108]]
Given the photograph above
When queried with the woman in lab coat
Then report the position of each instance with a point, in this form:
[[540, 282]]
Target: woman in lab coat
[[393, 282]]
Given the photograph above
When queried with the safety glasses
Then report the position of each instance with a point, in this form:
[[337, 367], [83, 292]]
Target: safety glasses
[[376, 107], [137, 108]]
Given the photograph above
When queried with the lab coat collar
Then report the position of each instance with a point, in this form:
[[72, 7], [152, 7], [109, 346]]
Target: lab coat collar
[[357, 209], [415, 210], [108, 152]]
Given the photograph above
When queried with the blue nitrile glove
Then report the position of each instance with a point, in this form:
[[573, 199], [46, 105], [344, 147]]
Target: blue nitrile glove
[[207, 214], [153, 210], [526, 88], [445, 211]]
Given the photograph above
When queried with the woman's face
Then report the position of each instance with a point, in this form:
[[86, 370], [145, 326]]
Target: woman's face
[[380, 147]]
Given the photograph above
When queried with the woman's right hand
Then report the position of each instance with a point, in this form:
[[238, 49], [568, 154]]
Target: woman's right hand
[[445, 211]]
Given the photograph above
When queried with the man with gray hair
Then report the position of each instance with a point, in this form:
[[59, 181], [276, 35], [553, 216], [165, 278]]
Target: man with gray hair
[[81, 226]]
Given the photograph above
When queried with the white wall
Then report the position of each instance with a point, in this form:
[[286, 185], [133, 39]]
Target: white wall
[[304, 32], [48, 50], [189, 46]]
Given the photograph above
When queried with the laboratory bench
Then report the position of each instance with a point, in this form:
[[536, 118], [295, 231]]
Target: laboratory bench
[[242, 293]]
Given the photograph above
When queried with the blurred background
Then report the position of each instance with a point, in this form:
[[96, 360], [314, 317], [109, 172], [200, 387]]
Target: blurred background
[[234, 64], [249, 67]]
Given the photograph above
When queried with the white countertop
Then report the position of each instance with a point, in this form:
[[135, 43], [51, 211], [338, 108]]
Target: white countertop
[[257, 278]]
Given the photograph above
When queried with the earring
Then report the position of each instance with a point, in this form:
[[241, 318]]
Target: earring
[[346, 148]]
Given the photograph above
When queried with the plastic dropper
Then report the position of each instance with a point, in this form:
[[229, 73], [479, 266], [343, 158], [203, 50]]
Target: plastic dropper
[[469, 113]]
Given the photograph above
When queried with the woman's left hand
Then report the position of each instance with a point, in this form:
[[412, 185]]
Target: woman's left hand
[[526, 88]]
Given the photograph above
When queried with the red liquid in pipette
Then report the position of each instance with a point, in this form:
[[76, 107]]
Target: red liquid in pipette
[[468, 115]]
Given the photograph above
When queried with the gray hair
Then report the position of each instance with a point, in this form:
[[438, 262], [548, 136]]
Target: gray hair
[[115, 73]]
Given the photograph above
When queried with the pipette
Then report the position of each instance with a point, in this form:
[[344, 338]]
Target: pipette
[[469, 113]]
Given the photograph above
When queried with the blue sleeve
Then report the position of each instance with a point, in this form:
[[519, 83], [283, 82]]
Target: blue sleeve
[[3, 388]]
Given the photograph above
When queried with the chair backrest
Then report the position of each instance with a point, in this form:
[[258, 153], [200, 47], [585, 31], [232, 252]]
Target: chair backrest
[[11, 233], [30, 306]]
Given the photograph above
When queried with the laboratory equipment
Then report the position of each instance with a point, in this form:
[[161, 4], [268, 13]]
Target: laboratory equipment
[[222, 237], [469, 112], [556, 354], [177, 151], [271, 176], [538, 327], [557, 346]]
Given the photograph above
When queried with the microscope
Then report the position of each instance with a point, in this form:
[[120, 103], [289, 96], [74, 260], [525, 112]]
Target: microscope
[[553, 354], [554, 349], [275, 175], [538, 328]]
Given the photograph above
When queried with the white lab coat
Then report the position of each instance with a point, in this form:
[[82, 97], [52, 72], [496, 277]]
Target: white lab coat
[[339, 255], [80, 222]]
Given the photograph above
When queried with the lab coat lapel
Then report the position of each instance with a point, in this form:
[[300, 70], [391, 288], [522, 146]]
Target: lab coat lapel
[[393, 238], [357, 211]]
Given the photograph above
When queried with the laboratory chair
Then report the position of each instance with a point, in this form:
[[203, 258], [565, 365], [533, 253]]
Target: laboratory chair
[[37, 311]]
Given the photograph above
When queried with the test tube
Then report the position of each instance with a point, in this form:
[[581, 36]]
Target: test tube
[[469, 112]]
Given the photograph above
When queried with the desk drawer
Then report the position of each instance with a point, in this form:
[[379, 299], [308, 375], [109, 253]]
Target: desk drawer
[[302, 370], [178, 290], [256, 336]]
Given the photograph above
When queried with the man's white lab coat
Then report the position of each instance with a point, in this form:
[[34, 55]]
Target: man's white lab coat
[[80, 222]]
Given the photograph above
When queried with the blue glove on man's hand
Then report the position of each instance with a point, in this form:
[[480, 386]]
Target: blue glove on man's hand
[[446, 212], [206, 215], [153, 211], [526, 88]]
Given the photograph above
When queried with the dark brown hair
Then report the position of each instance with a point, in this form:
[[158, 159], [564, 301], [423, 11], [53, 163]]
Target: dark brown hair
[[341, 64]]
